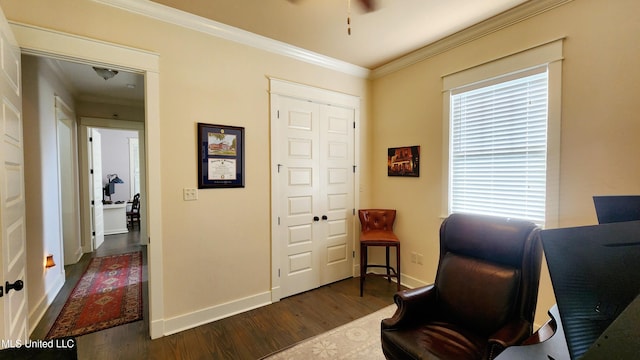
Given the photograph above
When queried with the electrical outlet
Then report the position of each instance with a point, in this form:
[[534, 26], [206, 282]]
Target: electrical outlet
[[414, 257], [419, 259], [189, 194]]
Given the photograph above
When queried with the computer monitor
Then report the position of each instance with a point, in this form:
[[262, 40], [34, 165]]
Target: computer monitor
[[617, 208], [595, 272]]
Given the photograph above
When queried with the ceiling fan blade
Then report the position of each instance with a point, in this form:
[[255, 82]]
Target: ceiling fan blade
[[368, 5]]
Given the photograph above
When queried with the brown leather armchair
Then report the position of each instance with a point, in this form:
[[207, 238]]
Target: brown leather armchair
[[483, 299]]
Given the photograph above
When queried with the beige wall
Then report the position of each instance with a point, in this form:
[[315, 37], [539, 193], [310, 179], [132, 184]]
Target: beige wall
[[600, 124], [217, 249]]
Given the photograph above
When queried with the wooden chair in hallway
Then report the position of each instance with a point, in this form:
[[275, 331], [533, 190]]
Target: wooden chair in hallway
[[377, 230], [133, 215]]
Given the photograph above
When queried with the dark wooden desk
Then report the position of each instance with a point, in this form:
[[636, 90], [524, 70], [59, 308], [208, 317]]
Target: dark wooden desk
[[551, 346]]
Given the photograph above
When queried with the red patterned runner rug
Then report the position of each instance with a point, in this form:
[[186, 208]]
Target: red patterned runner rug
[[108, 294]]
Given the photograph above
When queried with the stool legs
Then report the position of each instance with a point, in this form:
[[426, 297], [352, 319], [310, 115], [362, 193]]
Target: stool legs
[[364, 262], [397, 264], [363, 266]]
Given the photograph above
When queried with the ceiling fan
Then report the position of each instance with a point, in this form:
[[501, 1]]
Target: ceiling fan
[[367, 5]]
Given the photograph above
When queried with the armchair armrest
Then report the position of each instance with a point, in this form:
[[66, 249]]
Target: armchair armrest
[[413, 304], [511, 334]]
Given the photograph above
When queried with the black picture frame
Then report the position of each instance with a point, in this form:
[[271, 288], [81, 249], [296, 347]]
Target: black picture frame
[[220, 156], [403, 161]]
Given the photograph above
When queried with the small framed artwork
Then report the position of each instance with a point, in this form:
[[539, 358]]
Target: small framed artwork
[[220, 156], [403, 161]]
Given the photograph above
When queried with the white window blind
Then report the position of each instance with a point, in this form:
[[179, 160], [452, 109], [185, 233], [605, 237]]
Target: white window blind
[[498, 146]]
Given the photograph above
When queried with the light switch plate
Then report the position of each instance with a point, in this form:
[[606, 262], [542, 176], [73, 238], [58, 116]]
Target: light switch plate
[[190, 194]]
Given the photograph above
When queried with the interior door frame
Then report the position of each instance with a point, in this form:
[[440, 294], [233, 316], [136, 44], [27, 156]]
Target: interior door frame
[[101, 123], [279, 87], [58, 45]]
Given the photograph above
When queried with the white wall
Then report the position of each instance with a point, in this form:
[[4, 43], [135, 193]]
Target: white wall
[[43, 206], [115, 160]]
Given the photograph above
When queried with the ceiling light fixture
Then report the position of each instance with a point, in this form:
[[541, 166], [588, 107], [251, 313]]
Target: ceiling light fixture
[[105, 73]]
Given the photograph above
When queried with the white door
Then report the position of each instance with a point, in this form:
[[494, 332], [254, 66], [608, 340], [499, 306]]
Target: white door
[[298, 181], [316, 200], [336, 191], [13, 304], [95, 144]]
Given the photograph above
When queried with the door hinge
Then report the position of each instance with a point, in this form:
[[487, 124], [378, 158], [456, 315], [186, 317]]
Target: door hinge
[[354, 169], [91, 172], [354, 124], [278, 272], [90, 139], [278, 220], [353, 254], [93, 233], [354, 211], [278, 114], [93, 202]]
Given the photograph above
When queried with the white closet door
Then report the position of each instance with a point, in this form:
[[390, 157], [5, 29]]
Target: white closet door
[[336, 193], [314, 200], [298, 179]]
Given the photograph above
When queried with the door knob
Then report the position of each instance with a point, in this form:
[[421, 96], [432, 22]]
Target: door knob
[[324, 217], [17, 286], [315, 218]]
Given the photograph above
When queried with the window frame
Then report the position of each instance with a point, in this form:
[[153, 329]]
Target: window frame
[[549, 55]]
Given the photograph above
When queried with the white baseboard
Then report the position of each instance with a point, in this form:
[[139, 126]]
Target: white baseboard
[[412, 282], [205, 316], [45, 301], [405, 279], [156, 329]]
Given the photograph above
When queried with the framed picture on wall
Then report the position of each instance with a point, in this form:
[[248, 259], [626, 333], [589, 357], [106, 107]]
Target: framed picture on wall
[[220, 156], [403, 161]]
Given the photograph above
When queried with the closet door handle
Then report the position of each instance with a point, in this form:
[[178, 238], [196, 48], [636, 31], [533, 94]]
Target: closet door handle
[[324, 217], [315, 218]]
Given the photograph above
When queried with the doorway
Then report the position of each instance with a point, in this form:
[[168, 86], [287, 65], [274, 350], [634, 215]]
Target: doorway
[[43, 42], [116, 161]]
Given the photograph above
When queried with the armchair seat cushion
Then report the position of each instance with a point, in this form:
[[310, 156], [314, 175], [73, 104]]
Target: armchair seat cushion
[[435, 340]]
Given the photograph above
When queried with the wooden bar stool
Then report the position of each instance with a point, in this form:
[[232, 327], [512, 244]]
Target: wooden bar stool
[[377, 230]]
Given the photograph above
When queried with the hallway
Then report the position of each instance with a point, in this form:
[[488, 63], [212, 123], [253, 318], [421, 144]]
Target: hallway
[[113, 245]]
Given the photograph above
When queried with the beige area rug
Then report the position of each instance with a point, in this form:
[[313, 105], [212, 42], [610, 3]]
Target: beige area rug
[[359, 339]]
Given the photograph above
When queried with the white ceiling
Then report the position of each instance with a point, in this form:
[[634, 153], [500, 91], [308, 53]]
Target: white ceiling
[[395, 28], [85, 84]]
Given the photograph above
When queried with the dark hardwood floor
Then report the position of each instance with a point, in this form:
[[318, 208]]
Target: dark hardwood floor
[[249, 335]]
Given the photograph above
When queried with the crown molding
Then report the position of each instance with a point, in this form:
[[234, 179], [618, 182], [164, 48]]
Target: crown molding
[[197, 23], [474, 32]]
